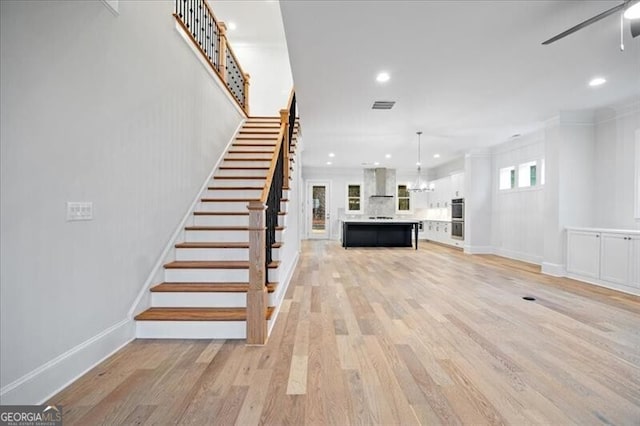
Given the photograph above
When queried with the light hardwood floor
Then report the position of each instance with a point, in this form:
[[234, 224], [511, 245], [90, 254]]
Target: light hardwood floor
[[392, 336]]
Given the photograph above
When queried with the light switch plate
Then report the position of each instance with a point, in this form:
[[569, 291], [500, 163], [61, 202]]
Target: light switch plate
[[77, 210]]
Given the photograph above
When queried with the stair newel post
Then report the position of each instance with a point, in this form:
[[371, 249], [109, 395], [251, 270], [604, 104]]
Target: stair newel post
[[257, 294], [246, 93], [284, 120], [222, 64]]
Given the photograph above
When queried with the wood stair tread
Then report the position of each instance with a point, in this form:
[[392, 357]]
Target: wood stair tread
[[234, 188], [168, 287], [247, 159], [244, 167], [214, 264], [240, 177], [197, 314], [223, 228], [231, 245], [198, 213], [227, 200], [239, 151]]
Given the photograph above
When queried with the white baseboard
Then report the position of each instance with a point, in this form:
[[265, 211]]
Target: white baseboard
[[516, 255], [553, 269], [282, 290], [478, 249], [600, 283], [41, 384]]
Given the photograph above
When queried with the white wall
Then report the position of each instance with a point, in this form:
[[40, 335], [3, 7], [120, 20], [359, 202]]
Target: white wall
[[338, 179], [112, 109], [517, 214], [615, 132], [478, 199], [271, 81], [569, 198]]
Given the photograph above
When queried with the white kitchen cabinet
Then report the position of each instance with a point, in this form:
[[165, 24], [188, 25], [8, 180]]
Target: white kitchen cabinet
[[583, 253], [457, 185], [615, 265], [610, 258], [620, 259], [634, 268]]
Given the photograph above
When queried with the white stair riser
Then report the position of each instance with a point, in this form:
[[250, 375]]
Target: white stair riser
[[241, 172], [223, 206], [261, 142], [236, 182], [217, 254], [206, 275], [231, 220], [273, 275], [191, 329], [229, 193], [264, 163], [221, 220], [221, 236], [269, 149], [198, 300], [212, 254], [265, 155]]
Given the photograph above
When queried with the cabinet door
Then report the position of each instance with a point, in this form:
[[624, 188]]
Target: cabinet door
[[634, 262], [583, 253], [614, 266], [455, 185]]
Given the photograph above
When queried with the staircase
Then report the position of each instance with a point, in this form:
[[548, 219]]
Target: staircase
[[204, 293]]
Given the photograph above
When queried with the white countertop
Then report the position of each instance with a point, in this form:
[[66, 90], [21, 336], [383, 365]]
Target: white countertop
[[609, 230]]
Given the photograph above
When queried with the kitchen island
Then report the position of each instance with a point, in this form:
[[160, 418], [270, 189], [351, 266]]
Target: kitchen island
[[379, 233]]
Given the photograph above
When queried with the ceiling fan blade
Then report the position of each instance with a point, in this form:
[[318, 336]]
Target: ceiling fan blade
[[586, 23], [635, 27]]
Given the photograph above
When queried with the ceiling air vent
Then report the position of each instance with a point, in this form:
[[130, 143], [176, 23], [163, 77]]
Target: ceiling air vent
[[383, 104]]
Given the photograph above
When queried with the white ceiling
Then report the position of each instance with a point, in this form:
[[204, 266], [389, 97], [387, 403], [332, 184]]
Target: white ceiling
[[469, 74]]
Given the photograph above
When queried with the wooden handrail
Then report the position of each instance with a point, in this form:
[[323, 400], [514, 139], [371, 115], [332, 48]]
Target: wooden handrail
[[272, 166]]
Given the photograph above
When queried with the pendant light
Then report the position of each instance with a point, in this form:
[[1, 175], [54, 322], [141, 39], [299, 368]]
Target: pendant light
[[419, 185]]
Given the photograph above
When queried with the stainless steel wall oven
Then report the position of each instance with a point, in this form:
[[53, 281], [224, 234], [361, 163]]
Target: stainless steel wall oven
[[457, 218]]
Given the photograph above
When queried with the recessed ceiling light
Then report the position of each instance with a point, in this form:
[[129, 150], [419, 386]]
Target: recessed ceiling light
[[383, 77], [436, 155], [387, 156], [329, 163], [232, 26], [418, 163], [597, 81], [376, 163], [331, 154], [633, 12]]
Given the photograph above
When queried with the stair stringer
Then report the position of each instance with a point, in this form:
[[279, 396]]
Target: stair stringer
[[143, 300]]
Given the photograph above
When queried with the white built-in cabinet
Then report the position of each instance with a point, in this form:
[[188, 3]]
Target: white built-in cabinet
[[457, 185], [439, 206], [446, 189], [606, 257]]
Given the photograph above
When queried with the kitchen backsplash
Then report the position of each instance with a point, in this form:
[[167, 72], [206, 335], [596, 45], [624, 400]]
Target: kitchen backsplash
[[379, 206]]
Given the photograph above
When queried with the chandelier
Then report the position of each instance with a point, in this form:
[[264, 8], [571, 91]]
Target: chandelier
[[419, 185]]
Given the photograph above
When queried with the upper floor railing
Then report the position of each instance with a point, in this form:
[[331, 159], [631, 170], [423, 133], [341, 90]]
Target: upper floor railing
[[209, 36]]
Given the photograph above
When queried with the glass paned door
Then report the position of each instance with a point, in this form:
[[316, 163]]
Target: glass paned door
[[319, 217]]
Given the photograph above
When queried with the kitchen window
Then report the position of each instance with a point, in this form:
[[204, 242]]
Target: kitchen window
[[354, 198], [527, 174], [507, 177], [404, 199]]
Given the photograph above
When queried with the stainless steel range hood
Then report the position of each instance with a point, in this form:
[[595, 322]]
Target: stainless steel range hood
[[381, 183]]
